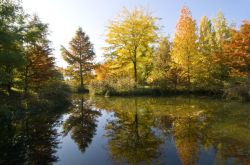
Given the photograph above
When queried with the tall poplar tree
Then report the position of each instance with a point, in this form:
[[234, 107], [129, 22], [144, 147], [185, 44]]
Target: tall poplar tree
[[184, 50], [80, 56], [206, 46], [222, 33]]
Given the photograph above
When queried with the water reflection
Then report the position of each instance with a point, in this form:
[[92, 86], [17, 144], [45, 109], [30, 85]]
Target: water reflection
[[28, 137], [131, 138], [198, 126], [140, 130], [81, 123]]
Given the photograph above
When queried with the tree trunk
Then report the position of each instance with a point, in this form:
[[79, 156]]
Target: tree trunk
[[189, 74], [9, 87], [135, 74], [81, 76], [26, 81], [9, 81], [175, 86], [81, 108], [135, 69], [136, 124]]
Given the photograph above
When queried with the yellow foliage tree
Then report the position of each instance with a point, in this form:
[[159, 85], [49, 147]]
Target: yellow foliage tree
[[184, 51], [130, 38]]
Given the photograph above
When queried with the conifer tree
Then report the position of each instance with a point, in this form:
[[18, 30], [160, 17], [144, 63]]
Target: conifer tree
[[184, 51], [80, 56]]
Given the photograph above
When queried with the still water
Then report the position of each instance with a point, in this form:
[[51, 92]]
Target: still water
[[139, 130]]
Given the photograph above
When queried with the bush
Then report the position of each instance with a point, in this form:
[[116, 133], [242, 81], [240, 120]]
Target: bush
[[99, 87], [111, 86], [56, 93], [239, 91]]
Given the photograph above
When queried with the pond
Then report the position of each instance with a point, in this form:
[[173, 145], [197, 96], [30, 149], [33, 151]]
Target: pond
[[138, 130]]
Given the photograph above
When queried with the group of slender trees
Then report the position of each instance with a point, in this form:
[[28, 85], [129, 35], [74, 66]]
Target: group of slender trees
[[213, 57]]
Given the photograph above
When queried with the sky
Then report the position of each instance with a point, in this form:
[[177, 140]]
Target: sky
[[65, 16]]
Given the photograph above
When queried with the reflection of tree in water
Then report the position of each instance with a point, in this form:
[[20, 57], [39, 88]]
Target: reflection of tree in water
[[194, 123], [28, 137], [228, 131], [223, 127], [131, 138], [81, 123], [41, 139], [187, 130], [186, 134]]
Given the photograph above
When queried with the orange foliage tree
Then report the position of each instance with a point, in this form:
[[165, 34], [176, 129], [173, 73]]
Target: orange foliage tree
[[237, 51], [184, 51]]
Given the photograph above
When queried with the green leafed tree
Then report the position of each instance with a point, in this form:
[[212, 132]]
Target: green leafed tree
[[222, 32], [161, 64], [206, 46], [80, 56], [39, 62], [130, 37], [11, 52]]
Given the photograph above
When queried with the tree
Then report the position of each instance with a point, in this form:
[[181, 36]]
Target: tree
[[11, 53], [222, 34], [206, 46], [221, 28], [130, 37], [39, 62], [80, 56], [237, 49], [237, 53], [161, 64], [184, 51]]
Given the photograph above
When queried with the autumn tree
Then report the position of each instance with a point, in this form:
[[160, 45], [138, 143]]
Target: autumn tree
[[184, 51], [222, 33], [129, 39], [221, 28], [39, 62], [80, 56], [161, 63], [238, 51], [104, 71], [207, 47]]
